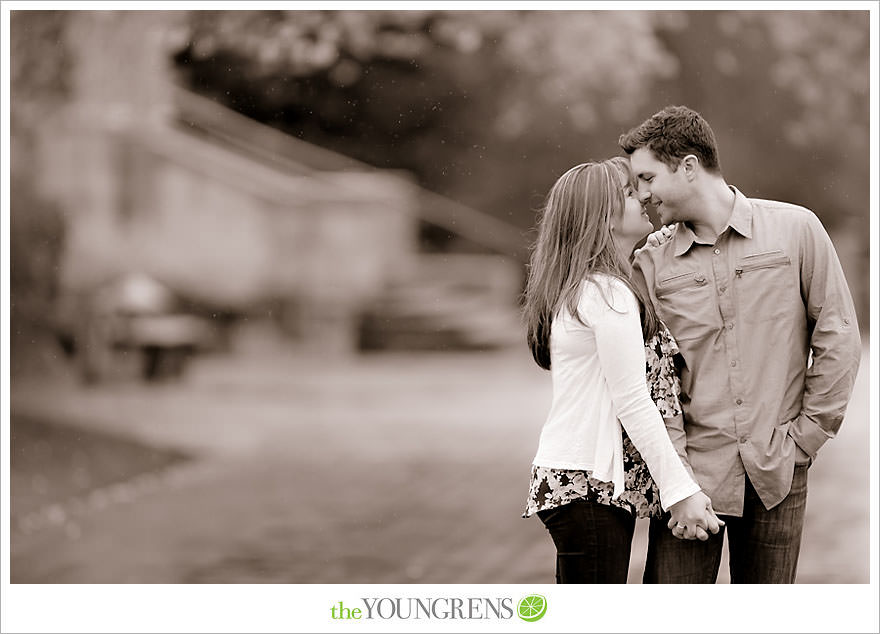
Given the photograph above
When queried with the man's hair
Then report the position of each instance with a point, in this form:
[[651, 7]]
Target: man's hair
[[672, 134]]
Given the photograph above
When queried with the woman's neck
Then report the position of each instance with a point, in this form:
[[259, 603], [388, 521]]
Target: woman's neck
[[625, 250]]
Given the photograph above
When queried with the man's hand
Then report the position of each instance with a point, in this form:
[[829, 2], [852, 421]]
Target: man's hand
[[693, 516]]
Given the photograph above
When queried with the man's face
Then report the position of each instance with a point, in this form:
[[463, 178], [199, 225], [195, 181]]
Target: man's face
[[666, 190]]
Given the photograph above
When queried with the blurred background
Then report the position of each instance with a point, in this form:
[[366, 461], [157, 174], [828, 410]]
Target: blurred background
[[266, 267]]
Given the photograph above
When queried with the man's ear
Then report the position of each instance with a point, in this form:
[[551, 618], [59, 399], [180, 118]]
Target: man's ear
[[689, 164]]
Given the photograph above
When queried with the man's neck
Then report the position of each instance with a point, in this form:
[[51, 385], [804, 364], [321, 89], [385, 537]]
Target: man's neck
[[712, 207]]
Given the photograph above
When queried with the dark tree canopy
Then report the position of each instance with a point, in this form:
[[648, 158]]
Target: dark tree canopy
[[489, 106]]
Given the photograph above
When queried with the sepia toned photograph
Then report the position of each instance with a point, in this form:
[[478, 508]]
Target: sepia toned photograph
[[439, 296]]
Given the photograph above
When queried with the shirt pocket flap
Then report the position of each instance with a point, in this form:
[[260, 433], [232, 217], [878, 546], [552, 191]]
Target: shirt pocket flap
[[680, 282], [765, 260]]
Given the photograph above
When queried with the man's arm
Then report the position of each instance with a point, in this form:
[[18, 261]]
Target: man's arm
[[834, 340], [643, 267], [675, 429]]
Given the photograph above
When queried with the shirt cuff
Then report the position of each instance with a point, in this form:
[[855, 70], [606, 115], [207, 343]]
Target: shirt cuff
[[808, 435], [678, 494]]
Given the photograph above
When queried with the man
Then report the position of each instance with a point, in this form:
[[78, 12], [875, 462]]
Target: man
[[755, 295]]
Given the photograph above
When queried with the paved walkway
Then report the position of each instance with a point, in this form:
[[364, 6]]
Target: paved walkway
[[379, 469]]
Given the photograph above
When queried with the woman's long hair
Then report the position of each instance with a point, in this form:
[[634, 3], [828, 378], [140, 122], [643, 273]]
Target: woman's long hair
[[574, 242]]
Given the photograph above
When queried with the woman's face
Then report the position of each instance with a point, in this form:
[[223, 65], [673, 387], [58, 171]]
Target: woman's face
[[633, 223]]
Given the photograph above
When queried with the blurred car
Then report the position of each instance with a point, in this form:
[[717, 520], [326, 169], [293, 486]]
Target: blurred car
[[131, 325]]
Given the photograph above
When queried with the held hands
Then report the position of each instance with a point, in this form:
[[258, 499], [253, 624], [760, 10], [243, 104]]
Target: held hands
[[693, 516]]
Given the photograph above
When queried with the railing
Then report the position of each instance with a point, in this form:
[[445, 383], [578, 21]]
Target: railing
[[288, 154]]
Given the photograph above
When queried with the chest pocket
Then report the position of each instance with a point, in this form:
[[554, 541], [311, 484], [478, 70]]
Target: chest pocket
[[764, 287], [686, 304]]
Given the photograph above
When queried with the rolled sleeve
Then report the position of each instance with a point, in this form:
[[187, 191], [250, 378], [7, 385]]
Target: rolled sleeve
[[808, 435], [834, 341]]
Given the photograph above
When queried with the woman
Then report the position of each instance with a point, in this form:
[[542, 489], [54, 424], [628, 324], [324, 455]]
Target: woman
[[588, 325]]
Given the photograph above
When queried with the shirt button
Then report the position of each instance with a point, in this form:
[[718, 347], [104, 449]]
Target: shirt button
[[739, 401], [730, 326], [722, 289], [717, 251], [733, 364], [743, 439]]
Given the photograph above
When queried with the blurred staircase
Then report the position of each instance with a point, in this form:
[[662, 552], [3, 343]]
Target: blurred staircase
[[444, 301]]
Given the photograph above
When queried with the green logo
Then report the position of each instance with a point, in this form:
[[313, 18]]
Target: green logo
[[532, 608]]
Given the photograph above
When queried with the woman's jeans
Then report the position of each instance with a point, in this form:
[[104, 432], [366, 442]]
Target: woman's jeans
[[593, 541]]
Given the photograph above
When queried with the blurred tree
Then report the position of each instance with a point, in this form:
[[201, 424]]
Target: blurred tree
[[797, 128], [39, 83], [39, 66], [555, 57], [823, 62], [39, 74]]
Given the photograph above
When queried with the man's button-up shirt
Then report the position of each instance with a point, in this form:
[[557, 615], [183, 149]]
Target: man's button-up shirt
[[765, 322]]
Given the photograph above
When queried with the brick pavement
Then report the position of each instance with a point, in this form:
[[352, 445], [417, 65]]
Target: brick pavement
[[380, 469]]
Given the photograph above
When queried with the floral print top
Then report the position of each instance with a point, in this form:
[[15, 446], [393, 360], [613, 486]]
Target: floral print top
[[551, 487]]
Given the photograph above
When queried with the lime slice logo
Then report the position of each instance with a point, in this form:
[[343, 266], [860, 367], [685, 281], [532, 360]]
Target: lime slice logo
[[532, 608]]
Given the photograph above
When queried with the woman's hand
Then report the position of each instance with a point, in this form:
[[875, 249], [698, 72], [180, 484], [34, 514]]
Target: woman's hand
[[693, 516], [663, 234]]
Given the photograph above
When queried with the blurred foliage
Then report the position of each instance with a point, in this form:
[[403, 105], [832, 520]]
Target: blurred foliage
[[36, 240], [39, 76], [39, 64], [489, 107], [540, 50], [823, 61]]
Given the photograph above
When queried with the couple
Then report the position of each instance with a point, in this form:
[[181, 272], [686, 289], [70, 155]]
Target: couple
[[693, 384]]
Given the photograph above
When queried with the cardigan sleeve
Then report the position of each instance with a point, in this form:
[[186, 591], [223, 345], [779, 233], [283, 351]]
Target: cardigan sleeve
[[611, 310]]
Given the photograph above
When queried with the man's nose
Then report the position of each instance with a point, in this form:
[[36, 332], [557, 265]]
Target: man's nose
[[644, 196]]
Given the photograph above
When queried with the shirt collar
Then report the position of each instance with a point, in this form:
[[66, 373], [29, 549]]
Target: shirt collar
[[740, 221]]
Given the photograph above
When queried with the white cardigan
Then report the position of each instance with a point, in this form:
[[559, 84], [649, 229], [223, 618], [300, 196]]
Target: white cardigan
[[598, 374]]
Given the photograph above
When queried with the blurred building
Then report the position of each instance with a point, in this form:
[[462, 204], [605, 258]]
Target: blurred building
[[244, 220]]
